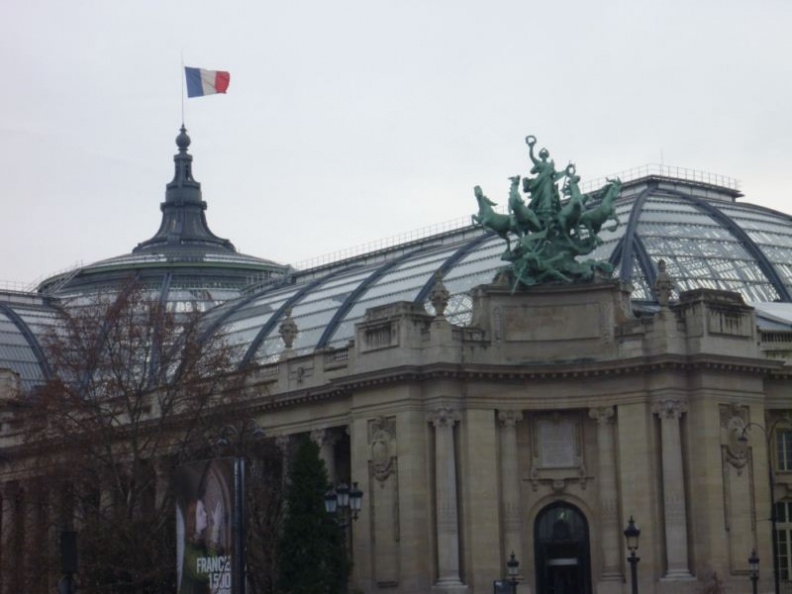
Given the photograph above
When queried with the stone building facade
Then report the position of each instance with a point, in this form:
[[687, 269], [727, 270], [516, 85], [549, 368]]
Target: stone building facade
[[540, 429], [481, 421]]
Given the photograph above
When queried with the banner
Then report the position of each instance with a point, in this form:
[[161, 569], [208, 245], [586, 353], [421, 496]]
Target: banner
[[207, 511]]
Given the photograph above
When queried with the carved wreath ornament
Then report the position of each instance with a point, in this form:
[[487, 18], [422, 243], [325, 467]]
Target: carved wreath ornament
[[382, 447]]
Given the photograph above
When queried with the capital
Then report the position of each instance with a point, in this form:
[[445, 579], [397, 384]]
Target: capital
[[283, 442], [443, 417], [510, 418], [603, 414], [670, 409]]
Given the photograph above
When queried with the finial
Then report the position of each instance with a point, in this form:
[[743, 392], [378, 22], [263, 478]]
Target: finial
[[288, 329], [183, 140], [663, 285], [439, 295]]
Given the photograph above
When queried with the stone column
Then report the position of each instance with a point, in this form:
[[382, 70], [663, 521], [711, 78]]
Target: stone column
[[510, 481], [444, 420], [674, 510], [611, 537], [326, 439]]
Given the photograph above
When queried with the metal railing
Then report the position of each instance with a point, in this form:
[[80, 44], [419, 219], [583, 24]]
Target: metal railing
[[662, 170], [386, 242]]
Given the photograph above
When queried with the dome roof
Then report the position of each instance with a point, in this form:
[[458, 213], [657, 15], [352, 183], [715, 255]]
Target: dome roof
[[706, 237], [183, 262]]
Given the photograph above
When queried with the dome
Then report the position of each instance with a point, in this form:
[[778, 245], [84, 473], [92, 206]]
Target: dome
[[707, 236], [183, 262]]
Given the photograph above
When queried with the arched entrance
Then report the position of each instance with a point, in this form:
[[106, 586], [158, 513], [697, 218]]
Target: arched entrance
[[561, 542]]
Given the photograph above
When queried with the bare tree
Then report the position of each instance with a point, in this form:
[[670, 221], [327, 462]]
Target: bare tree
[[137, 387]]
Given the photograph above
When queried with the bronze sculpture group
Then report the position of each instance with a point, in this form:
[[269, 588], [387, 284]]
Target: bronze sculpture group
[[547, 237]]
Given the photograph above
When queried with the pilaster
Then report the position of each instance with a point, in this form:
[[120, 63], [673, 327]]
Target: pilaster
[[447, 515], [610, 537], [674, 507]]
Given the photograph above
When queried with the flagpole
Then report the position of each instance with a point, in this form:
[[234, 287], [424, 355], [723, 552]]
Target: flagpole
[[182, 87]]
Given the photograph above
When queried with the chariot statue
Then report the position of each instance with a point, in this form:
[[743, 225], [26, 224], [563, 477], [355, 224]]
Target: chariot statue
[[550, 231]]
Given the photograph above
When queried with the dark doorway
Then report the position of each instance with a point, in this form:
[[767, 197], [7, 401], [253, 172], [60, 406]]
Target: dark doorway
[[561, 539]]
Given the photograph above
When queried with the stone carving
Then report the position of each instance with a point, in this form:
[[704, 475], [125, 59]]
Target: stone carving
[[663, 285], [382, 436], [550, 235], [10, 385], [323, 436], [510, 418], [283, 442], [288, 329], [439, 296], [604, 415], [670, 409], [443, 417], [736, 451]]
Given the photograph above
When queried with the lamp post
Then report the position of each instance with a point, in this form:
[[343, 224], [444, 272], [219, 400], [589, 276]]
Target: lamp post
[[513, 571], [344, 504], [223, 442], [753, 563], [768, 433], [631, 534], [239, 432]]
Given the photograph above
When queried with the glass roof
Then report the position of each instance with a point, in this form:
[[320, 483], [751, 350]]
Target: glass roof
[[699, 249], [22, 331], [715, 243]]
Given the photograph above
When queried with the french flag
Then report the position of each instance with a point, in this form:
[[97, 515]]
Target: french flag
[[202, 82]]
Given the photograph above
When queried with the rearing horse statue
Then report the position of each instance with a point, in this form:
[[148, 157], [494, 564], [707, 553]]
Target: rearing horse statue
[[489, 219], [523, 216], [595, 218]]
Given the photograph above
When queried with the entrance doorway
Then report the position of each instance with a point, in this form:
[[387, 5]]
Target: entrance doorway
[[561, 539]]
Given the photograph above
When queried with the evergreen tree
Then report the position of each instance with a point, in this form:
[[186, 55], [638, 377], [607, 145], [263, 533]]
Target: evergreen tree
[[312, 551]]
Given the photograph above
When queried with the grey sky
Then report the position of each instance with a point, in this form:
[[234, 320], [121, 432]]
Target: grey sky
[[354, 120]]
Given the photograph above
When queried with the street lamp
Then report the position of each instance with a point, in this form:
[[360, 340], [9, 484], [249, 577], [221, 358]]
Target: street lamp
[[768, 433], [344, 503], [240, 538], [753, 563], [513, 571], [631, 535], [239, 432]]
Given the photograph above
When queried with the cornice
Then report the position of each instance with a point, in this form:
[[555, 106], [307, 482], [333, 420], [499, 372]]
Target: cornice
[[517, 374]]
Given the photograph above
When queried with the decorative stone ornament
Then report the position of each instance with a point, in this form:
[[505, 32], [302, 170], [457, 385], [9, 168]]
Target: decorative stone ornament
[[288, 330], [439, 296], [663, 285], [382, 448]]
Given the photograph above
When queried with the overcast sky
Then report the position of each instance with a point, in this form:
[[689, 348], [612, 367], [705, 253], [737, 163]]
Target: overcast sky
[[350, 121]]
